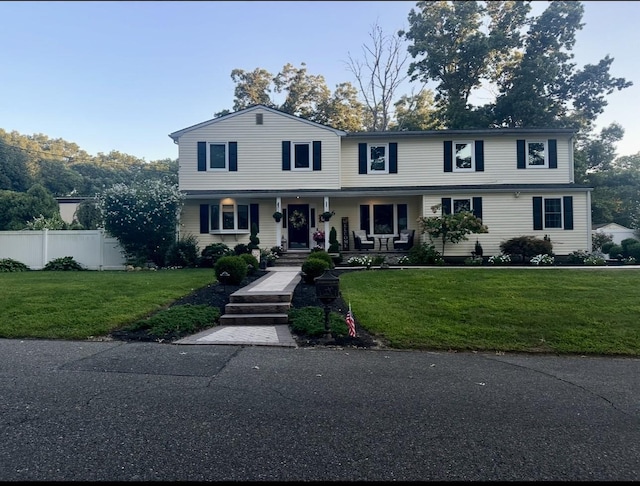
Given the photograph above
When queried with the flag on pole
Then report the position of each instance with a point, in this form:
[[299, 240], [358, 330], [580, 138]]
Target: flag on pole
[[351, 323]]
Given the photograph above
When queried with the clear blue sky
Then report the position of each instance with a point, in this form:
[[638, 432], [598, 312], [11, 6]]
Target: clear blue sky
[[123, 75]]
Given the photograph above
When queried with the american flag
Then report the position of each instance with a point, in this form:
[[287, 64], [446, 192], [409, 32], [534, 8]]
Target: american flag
[[351, 323]]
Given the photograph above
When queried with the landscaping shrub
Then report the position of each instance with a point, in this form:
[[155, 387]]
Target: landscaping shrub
[[178, 319], [631, 248], [235, 266], [254, 241], [251, 262], [360, 261], [526, 247], [212, 253], [499, 260], [241, 249], [425, 254], [577, 257], [309, 321], [606, 247], [615, 251], [10, 265], [183, 253], [313, 268], [322, 255], [63, 264], [542, 259], [334, 246]]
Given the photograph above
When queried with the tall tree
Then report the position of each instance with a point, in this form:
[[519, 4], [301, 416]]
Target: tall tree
[[14, 175], [379, 75], [416, 112]]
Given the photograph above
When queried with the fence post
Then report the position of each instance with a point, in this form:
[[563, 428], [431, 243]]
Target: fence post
[[101, 241], [45, 245]]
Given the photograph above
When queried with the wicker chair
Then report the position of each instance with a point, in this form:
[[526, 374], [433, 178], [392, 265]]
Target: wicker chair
[[362, 241], [404, 241]]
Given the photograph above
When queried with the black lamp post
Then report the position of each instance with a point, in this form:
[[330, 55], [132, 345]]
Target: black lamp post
[[327, 290], [224, 278]]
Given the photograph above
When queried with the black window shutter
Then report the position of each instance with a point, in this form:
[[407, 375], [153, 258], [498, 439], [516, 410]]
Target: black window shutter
[[317, 155], [362, 158], [254, 215], [393, 158], [403, 220], [448, 156], [286, 155], [522, 164], [204, 218], [477, 207], [202, 156], [364, 217], [479, 148], [537, 213], [284, 218], [567, 202], [553, 154], [233, 156], [446, 205]]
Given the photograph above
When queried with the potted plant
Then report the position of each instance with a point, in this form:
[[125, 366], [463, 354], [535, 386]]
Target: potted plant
[[277, 216], [326, 216]]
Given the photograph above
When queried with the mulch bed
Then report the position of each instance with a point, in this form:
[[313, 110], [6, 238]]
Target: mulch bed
[[304, 295]]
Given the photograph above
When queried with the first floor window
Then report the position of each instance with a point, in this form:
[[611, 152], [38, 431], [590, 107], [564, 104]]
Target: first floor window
[[383, 219], [460, 205], [536, 154], [378, 159], [229, 217], [553, 213]]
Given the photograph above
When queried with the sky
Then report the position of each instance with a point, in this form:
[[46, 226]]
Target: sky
[[123, 75]]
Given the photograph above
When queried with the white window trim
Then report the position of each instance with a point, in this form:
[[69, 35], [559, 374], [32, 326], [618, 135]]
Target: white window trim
[[226, 157], [235, 230], [546, 155], [544, 214], [473, 156], [293, 157], [461, 198], [386, 158]]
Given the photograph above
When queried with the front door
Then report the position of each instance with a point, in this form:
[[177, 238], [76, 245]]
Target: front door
[[298, 226]]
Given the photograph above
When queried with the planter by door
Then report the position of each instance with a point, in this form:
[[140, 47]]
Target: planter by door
[[298, 226]]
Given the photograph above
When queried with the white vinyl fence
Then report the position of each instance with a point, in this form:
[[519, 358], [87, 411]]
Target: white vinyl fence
[[91, 248]]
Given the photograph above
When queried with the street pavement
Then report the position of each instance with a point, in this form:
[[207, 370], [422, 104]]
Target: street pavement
[[116, 411]]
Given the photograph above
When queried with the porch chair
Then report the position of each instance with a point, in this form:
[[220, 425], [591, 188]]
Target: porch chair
[[404, 241], [362, 241]]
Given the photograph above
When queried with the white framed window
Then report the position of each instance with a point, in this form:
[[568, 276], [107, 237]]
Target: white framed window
[[302, 156], [229, 216], [378, 159], [553, 212], [460, 205], [217, 156], [537, 154], [463, 157]]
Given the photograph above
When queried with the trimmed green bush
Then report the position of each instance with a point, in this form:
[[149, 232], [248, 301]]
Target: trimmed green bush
[[322, 255], [10, 265], [251, 261], [240, 249], [178, 319], [183, 253], [334, 246], [212, 253], [313, 268], [64, 264], [254, 241], [425, 254], [235, 266]]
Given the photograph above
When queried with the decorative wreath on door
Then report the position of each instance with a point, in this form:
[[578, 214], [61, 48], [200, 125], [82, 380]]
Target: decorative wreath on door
[[297, 219]]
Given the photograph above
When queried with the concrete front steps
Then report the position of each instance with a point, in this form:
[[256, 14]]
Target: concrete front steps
[[262, 303], [291, 259]]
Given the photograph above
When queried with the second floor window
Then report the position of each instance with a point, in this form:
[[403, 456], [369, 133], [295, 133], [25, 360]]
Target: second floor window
[[218, 156], [536, 154], [464, 160], [378, 162], [301, 156]]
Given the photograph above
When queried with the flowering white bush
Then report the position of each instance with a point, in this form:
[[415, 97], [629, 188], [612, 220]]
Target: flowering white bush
[[403, 260], [143, 217], [542, 260], [360, 261], [594, 260], [499, 259]]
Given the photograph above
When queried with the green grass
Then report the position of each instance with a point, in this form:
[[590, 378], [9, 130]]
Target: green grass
[[178, 319], [79, 305], [525, 310]]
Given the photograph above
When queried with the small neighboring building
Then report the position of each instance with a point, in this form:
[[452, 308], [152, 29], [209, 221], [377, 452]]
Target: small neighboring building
[[617, 231], [243, 167], [68, 206]]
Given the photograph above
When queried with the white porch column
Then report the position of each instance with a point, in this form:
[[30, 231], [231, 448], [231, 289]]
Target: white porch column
[[326, 224], [279, 223]]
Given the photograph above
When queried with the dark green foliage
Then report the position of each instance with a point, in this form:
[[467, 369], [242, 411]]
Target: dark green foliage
[[213, 252], [606, 247], [378, 260], [63, 264], [577, 257], [183, 253], [313, 268], [322, 255], [178, 319], [88, 215], [309, 321], [630, 248], [424, 254], [334, 247], [616, 251], [241, 248], [10, 265], [14, 174], [254, 241], [252, 263], [525, 247], [478, 249], [18, 208], [234, 265]]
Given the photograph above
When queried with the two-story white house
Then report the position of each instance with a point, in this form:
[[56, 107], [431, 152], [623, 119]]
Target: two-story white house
[[241, 168]]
